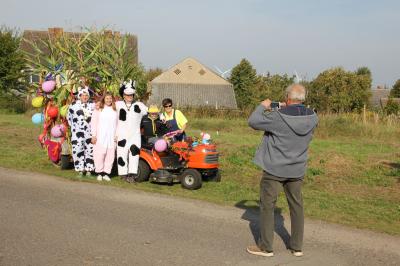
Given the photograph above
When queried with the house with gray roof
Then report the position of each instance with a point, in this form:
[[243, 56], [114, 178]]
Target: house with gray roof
[[191, 84]]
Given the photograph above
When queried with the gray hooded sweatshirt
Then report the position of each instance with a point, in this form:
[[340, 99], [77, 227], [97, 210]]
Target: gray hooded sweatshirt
[[288, 132]]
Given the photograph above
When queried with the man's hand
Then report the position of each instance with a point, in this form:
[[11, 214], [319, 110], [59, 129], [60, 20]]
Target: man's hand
[[94, 140], [266, 103]]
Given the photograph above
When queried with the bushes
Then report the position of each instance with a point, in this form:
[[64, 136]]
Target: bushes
[[392, 107], [337, 90], [334, 90], [12, 76], [10, 104]]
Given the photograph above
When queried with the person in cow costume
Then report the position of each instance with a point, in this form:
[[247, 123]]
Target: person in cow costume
[[79, 117], [130, 113]]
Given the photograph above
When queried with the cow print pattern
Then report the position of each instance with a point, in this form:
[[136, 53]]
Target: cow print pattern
[[121, 161], [122, 143], [122, 115], [136, 108], [134, 150], [82, 148], [128, 142]]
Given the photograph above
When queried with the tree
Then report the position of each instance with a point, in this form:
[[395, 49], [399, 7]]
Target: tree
[[244, 80], [152, 73], [337, 90], [12, 64], [364, 71], [395, 91]]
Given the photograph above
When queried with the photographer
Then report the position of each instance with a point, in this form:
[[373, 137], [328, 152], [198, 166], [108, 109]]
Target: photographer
[[283, 157]]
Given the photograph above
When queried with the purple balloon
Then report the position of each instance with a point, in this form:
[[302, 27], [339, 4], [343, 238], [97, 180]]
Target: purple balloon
[[160, 145]]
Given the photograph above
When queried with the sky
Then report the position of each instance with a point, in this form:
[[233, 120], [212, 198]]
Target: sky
[[275, 36]]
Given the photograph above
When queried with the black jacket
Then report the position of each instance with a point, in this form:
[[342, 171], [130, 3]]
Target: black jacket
[[152, 128]]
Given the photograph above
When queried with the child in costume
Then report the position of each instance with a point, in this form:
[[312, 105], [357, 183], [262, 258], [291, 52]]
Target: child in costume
[[130, 114], [104, 126], [152, 127], [79, 117]]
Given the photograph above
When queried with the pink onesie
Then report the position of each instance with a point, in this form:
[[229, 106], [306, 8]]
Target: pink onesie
[[104, 125]]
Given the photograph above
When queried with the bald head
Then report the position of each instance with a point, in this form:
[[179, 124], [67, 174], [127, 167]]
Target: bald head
[[296, 93]]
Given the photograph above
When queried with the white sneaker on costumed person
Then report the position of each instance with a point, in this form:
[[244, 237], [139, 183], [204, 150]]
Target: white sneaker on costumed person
[[106, 178], [99, 178]]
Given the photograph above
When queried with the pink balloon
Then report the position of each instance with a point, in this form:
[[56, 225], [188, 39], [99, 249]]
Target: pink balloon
[[57, 131], [48, 86], [160, 145]]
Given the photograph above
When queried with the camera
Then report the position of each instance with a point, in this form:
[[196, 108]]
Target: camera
[[275, 105]]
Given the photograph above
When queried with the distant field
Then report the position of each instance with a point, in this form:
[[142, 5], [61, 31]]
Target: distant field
[[353, 176]]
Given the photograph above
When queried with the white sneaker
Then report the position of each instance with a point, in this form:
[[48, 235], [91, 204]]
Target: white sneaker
[[106, 178], [297, 253], [99, 178]]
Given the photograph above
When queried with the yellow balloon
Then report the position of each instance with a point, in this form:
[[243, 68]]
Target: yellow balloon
[[37, 101], [64, 110]]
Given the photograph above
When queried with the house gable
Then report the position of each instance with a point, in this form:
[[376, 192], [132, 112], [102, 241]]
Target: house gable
[[190, 71]]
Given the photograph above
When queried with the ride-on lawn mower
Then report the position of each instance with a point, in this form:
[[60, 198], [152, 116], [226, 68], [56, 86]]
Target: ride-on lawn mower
[[182, 162]]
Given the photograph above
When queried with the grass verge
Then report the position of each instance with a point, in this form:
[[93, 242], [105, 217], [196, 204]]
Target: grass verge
[[353, 176]]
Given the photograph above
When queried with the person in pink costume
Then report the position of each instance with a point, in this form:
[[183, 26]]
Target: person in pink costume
[[104, 125]]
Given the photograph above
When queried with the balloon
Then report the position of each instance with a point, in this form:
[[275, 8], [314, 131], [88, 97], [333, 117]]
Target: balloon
[[64, 110], [37, 101], [58, 131], [160, 145], [38, 118], [52, 111], [48, 86]]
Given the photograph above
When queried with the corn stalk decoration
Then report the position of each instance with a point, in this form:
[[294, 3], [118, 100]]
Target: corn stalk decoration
[[101, 60], [93, 58]]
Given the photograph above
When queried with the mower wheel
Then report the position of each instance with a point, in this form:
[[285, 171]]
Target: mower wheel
[[143, 173], [191, 179], [65, 162]]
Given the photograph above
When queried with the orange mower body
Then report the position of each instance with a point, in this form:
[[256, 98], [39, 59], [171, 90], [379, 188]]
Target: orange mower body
[[180, 163]]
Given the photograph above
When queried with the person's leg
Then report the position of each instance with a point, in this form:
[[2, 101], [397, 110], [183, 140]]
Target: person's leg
[[98, 156], [295, 202], [78, 154], [122, 158], [89, 162], [134, 151], [109, 160], [269, 191]]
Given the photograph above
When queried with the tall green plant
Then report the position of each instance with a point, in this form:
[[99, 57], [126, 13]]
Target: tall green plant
[[102, 60]]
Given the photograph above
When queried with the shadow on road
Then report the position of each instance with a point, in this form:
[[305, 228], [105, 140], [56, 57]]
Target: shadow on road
[[252, 214]]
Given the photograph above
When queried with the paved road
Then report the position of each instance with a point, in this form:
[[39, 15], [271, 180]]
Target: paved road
[[46, 220]]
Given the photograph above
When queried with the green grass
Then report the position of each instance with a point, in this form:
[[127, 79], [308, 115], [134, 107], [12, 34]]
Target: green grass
[[353, 174]]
